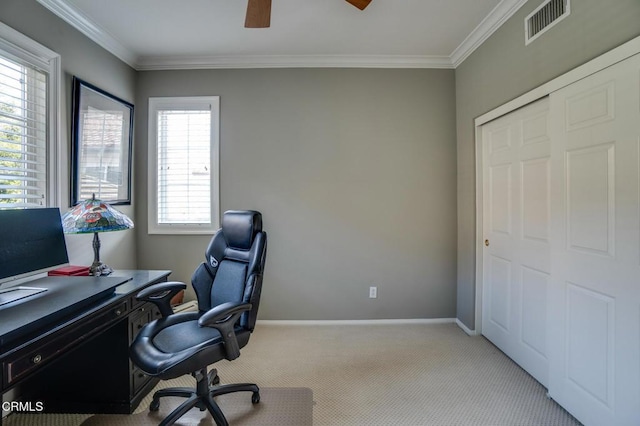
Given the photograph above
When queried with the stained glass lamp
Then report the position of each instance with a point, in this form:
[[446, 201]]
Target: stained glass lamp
[[95, 216]]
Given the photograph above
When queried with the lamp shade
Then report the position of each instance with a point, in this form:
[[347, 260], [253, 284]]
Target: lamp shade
[[94, 216]]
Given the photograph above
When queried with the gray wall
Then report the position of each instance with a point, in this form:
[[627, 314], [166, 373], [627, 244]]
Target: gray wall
[[504, 68], [353, 169], [354, 172], [81, 57]]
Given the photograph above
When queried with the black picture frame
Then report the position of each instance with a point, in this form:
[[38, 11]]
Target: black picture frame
[[101, 148]]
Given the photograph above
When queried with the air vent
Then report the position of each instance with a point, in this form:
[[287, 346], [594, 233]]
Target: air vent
[[544, 17]]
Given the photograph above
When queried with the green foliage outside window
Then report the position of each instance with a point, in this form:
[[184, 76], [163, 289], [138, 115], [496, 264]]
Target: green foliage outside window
[[9, 143]]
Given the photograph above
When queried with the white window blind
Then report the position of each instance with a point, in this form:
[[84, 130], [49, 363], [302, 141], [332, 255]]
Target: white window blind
[[184, 161], [184, 166], [23, 135]]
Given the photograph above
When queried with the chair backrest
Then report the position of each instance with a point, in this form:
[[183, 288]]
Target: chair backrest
[[234, 265]]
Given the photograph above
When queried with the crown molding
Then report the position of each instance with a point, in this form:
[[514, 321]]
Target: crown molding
[[503, 11], [87, 27], [291, 61], [490, 24]]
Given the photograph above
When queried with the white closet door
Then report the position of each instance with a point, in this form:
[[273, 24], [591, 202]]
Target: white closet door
[[594, 310], [516, 257]]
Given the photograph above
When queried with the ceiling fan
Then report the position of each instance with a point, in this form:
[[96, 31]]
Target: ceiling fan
[[259, 12]]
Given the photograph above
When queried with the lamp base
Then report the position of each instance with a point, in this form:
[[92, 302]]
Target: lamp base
[[99, 269]]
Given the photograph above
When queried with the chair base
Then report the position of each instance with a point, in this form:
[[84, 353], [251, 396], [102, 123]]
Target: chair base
[[207, 387]]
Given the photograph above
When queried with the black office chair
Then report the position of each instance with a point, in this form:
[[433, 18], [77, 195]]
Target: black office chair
[[228, 287]]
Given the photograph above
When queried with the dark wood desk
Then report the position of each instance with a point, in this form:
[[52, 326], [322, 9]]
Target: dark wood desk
[[80, 362]]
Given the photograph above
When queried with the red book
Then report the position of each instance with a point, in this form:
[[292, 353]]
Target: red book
[[71, 270]]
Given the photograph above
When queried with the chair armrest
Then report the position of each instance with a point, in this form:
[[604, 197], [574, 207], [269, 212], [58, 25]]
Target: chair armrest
[[223, 318], [161, 294]]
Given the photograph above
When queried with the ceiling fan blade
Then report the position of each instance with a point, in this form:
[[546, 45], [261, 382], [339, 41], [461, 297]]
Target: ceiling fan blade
[[258, 14], [360, 4]]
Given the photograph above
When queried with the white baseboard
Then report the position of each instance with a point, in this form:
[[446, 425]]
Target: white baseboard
[[361, 322], [374, 322], [465, 328]]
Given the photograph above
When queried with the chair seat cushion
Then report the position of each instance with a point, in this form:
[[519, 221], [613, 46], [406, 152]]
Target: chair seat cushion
[[176, 345]]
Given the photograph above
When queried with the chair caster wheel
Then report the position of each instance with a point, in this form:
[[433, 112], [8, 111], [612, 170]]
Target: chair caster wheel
[[213, 378], [155, 405], [255, 397]]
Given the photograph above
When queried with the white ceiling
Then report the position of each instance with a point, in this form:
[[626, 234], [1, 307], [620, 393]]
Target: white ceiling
[[176, 34]]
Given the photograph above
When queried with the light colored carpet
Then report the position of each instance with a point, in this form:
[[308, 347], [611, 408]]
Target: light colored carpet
[[277, 407], [381, 375]]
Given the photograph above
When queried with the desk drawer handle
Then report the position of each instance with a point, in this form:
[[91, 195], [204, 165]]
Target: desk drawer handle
[[36, 359], [118, 312]]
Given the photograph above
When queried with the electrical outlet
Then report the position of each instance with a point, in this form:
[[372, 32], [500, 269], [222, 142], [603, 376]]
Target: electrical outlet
[[373, 292]]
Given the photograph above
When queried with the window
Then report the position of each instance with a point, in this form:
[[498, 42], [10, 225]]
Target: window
[[183, 165], [28, 122]]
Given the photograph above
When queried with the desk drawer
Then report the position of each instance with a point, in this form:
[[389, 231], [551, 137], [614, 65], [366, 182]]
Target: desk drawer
[[138, 322], [139, 380], [41, 352], [141, 315]]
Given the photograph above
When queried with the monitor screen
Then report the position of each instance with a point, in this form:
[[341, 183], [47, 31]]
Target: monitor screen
[[31, 240]]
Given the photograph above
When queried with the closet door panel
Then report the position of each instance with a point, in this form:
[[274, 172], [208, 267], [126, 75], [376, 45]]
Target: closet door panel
[[594, 304], [516, 259]]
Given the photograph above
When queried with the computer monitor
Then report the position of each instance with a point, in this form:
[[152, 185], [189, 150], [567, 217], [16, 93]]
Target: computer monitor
[[31, 241]]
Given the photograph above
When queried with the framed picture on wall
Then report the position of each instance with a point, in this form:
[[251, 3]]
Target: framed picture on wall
[[102, 134]]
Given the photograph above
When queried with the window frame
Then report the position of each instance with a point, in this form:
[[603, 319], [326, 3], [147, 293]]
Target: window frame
[[183, 103], [16, 46]]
